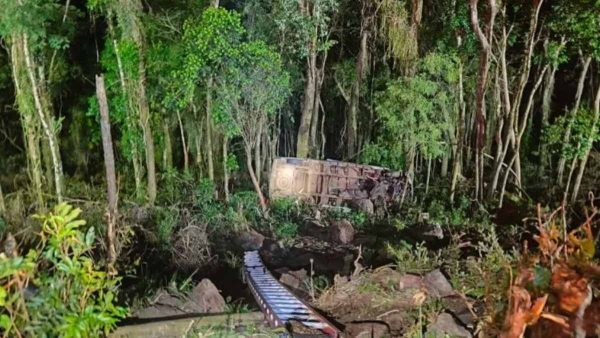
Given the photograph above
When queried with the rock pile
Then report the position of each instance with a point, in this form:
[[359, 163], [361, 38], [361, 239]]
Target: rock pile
[[204, 298]]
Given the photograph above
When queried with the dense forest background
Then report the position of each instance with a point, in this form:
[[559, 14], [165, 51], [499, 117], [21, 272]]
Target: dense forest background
[[482, 98], [150, 101]]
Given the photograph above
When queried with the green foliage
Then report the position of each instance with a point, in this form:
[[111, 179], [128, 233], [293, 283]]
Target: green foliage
[[399, 36], [581, 124], [286, 230], [579, 23], [41, 20], [484, 274], [166, 221], [417, 114], [285, 215], [252, 87], [305, 30], [414, 259], [73, 297], [243, 210], [207, 43]]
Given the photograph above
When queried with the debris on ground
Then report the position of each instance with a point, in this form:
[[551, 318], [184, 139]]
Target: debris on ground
[[552, 293], [204, 298], [191, 247]]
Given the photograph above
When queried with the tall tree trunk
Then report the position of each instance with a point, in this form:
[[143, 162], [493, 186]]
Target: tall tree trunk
[[257, 152], [135, 159], [225, 168], [303, 145], [482, 75], [167, 158], [2, 203], [361, 67], [144, 110], [261, 196], [46, 120], [109, 164], [209, 131], [129, 14], [29, 122], [547, 105], [514, 123], [580, 85], [588, 147], [184, 146], [138, 172], [460, 132]]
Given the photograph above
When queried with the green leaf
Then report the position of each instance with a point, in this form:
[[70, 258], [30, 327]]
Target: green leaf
[[5, 322], [541, 278], [90, 236]]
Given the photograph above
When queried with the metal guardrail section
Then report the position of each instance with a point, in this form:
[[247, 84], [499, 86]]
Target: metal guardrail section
[[278, 304]]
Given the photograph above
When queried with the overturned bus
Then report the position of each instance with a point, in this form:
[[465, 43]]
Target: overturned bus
[[333, 182]]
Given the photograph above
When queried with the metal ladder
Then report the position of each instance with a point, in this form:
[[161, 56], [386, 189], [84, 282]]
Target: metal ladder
[[278, 304]]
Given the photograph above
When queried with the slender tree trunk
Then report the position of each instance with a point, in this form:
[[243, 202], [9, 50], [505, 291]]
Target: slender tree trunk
[[2, 203], [318, 110], [168, 146], [111, 177], [460, 132], [580, 85], [484, 61], [137, 172], [257, 152], [303, 143], [428, 175], [261, 196], [29, 123], [225, 168], [361, 66], [46, 120], [588, 147], [515, 123], [547, 106], [129, 14], [184, 146], [209, 130], [135, 159], [144, 111]]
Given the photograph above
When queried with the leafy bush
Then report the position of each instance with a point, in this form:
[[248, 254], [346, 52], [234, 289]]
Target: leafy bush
[[286, 230], [246, 207], [166, 220], [58, 290], [415, 259]]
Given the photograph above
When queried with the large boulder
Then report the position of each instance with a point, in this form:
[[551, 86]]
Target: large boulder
[[370, 329], [445, 325], [250, 240], [205, 298], [437, 284], [341, 232], [294, 279]]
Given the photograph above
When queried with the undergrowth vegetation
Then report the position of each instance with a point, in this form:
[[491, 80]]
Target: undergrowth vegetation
[[58, 289]]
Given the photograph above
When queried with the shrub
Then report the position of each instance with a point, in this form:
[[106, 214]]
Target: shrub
[[286, 230], [58, 290], [415, 259], [245, 208], [166, 220]]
